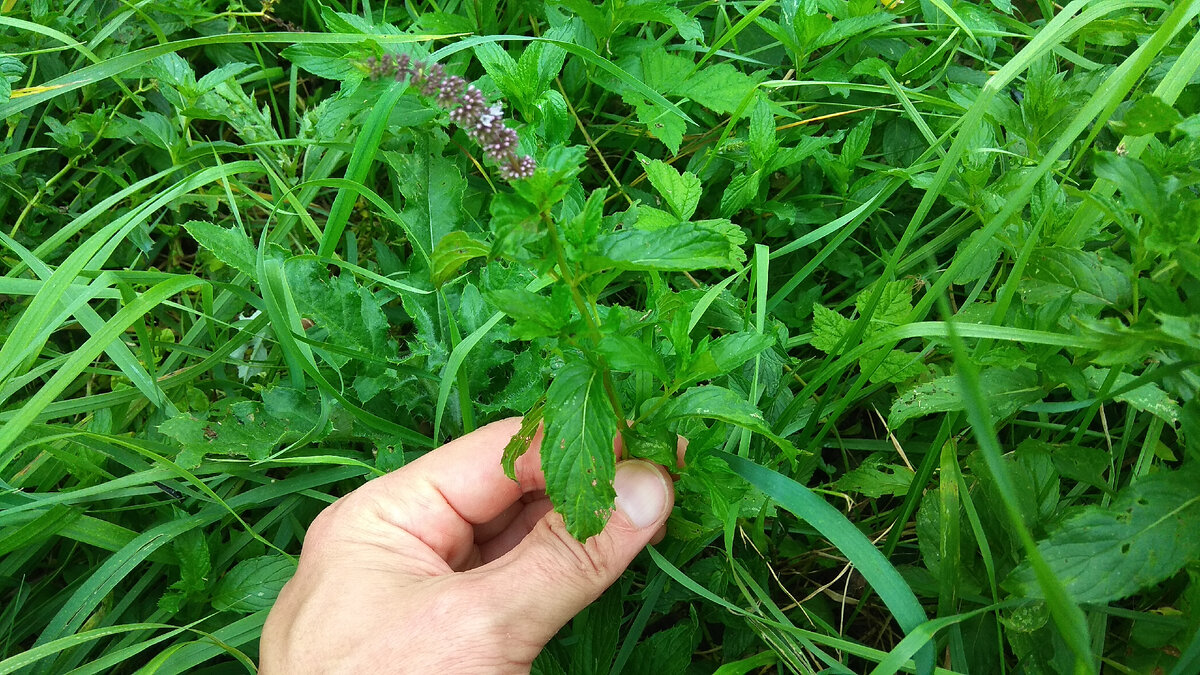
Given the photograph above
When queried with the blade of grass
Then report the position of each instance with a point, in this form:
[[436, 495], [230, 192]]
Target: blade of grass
[[883, 577]]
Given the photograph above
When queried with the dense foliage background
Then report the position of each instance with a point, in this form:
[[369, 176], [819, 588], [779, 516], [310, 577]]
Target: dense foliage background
[[935, 260]]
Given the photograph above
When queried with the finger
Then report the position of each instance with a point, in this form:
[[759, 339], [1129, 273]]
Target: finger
[[441, 497], [549, 577], [517, 529]]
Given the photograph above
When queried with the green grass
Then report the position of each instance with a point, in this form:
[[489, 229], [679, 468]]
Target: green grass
[[944, 275]]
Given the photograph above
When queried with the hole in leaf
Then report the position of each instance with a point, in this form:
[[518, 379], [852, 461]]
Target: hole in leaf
[[1125, 547]]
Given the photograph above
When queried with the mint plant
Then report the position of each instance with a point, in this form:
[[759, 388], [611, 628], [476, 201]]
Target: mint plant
[[917, 281]]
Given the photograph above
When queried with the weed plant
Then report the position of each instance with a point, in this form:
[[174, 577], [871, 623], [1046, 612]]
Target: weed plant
[[919, 281]]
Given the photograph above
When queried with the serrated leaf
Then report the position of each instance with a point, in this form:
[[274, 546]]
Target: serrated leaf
[[654, 444], [681, 191], [534, 315], [1149, 397], [895, 302], [645, 11], [761, 138], [229, 245], [897, 366], [1007, 391], [874, 480], [1150, 115], [829, 329], [721, 404], [330, 61], [253, 584], [348, 314], [686, 246], [577, 449], [742, 189], [452, 252], [243, 428], [626, 354], [732, 350], [662, 124], [520, 442], [1056, 271], [1105, 554]]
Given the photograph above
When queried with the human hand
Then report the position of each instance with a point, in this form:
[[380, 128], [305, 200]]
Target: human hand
[[446, 565]]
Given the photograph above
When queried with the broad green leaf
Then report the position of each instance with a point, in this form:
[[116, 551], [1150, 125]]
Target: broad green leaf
[[686, 246], [229, 245], [662, 124], [348, 314], [1007, 391], [1148, 397], [894, 305], [1150, 115], [253, 584], [897, 366], [452, 252], [577, 448], [681, 191], [626, 354], [534, 315], [732, 350], [242, 428], [721, 404], [876, 479], [829, 329], [1105, 554], [1082, 275], [741, 191], [654, 444]]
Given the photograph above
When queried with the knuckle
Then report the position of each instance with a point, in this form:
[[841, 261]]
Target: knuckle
[[592, 558]]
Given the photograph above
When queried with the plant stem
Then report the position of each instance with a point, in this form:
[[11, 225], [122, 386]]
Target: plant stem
[[585, 308]]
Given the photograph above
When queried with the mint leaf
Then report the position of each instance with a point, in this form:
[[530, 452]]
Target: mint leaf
[[577, 448], [253, 584], [723, 405], [229, 245], [1105, 554], [452, 252], [681, 191], [534, 315], [895, 302], [626, 354], [829, 329], [662, 124], [1007, 392], [686, 246], [519, 443]]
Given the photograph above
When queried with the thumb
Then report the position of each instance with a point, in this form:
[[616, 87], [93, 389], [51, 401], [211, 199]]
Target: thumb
[[550, 576]]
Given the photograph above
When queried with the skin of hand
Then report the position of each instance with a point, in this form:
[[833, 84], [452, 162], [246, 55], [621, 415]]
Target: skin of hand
[[448, 566]]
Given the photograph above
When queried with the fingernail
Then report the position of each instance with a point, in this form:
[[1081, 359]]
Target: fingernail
[[641, 492]]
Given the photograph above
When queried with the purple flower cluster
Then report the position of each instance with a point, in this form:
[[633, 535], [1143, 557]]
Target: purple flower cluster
[[468, 109]]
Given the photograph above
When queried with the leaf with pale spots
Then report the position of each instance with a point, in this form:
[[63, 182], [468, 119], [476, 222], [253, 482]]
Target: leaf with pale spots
[[577, 448]]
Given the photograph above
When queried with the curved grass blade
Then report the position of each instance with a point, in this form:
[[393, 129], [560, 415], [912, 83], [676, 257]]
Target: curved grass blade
[[834, 526]]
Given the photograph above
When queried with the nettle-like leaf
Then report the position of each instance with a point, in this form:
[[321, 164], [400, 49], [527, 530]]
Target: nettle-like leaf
[[721, 404], [253, 584], [681, 191], [685, 246], [1007, 392], [227, 244], [1105, 554], [577, 448], [242, 428], [346, 314]]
